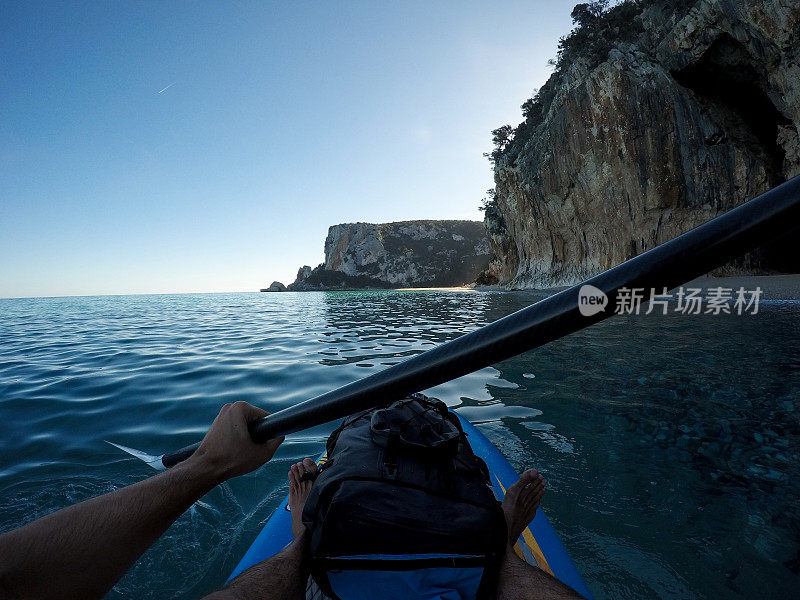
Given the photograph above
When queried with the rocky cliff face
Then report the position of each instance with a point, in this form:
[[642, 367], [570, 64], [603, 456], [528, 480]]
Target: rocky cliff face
[[691, 109], [403, 254]]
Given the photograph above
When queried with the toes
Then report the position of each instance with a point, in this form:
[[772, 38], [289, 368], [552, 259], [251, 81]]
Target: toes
[[297, 472], [528, 490], [533, 478], [536, 477], [536, 489], [533, 487], [521, 483], [533, 499], [298, 483]]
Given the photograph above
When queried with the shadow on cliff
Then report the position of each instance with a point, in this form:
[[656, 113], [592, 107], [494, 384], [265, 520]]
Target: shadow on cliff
[[732, 83]]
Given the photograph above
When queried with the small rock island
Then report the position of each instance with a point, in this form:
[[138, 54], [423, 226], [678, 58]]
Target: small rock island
[[275, 286]]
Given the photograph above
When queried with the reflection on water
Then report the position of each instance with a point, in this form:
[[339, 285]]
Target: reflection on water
[[671, 447], [670, 443]]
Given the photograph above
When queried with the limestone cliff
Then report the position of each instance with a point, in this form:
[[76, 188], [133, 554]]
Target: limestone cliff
[[402, 254], [659, 116]]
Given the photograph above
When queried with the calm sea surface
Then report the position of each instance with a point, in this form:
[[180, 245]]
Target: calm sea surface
[[670, 443]]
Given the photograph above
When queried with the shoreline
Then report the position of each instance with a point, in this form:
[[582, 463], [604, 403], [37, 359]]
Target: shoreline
[[773, 287]]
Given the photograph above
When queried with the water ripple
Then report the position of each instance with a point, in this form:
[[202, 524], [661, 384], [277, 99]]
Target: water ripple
[[670, 443]]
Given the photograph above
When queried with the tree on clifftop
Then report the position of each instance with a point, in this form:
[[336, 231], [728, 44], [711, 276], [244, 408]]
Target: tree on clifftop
[[501, 138], [583, 15]]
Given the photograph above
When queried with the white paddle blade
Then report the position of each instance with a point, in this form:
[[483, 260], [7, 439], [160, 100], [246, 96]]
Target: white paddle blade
[[153, 461]]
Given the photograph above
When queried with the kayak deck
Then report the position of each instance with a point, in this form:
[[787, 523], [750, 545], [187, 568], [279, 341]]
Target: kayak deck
[[539, 544]]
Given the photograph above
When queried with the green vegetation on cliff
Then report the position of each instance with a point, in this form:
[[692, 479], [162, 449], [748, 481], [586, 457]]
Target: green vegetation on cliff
[[598, 28]]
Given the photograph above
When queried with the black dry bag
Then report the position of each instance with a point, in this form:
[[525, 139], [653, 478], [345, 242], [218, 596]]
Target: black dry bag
[[402, 508]]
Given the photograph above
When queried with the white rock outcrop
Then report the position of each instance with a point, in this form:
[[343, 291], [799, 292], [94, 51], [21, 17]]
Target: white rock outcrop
[[401, 254]]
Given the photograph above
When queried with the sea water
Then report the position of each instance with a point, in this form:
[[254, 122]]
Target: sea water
[[669, 443]]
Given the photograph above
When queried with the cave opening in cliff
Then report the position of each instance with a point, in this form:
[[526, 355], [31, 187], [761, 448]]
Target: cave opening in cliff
[[728, 77]]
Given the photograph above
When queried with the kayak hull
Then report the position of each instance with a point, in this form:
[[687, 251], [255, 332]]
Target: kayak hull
[[539, 545]]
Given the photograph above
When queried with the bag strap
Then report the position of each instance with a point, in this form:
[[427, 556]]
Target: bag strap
[[420, 434]]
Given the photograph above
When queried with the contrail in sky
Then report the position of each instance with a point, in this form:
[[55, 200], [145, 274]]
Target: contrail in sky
[[169, 86]]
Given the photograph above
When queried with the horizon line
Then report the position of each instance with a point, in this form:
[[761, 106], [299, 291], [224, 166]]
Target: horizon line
[[124, 294]]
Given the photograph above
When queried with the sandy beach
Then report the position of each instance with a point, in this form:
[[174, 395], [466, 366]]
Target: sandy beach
[[773, 287]]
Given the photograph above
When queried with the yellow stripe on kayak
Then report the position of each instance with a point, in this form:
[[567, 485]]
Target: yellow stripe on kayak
[[538, 555]]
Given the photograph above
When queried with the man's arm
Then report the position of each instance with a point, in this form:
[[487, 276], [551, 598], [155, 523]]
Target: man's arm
[[81, 551]]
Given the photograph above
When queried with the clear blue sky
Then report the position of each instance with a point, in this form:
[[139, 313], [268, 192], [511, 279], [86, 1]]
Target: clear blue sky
[[281, 119]]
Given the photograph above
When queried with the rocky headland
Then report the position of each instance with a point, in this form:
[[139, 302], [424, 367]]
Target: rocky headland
[[659, 116], [398, 255]]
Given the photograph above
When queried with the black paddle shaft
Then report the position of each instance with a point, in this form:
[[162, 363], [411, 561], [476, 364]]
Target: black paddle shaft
[[760, 220]]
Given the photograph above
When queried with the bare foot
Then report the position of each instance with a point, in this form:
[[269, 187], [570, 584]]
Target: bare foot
[[521, 501], [301, 478]]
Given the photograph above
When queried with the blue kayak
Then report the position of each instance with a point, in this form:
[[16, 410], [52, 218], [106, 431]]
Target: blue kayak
[[539, 544]]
